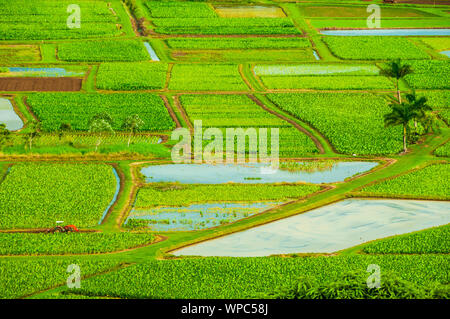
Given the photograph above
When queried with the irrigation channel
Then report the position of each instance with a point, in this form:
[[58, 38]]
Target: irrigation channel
[[328, 229]]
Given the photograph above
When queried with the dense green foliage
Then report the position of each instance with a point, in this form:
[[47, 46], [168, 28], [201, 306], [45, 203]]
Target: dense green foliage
[[19, 278], [251, 277], [429, 182], [180, 195], [429, 75], [206, 77], [70, 243], [373, 48], [77, 109], [327, 82], [37, 195], [443, 150], [131, 76], [353, 122], [322, 69], [103, 51], [43, 19], [433, 240], [238, 43]]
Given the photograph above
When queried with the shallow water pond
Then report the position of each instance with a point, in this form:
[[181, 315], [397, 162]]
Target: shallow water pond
[[197, 216], [328, 229], [41, 72], [150, 51], [316, 69], [250, 173], [387, 32], [8, 116], [447, 53]]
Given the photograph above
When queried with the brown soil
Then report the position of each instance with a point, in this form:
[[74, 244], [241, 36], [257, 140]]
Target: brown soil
[[171, 112], [40, 84]]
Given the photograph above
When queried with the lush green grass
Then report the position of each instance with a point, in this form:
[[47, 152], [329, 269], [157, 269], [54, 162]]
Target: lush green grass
[[433, 240], [52, 109], [439, 101], [206, 77], [179, 9], [327, 82], [181, 195], [15, 53], [71, 243], [438, 43], [238, 43], [20, 277], [429, 75], [103, 51], [355, 11], [373, 48], [429, 182], [250, 277], [131, 76], [353, 122], [37, 195]]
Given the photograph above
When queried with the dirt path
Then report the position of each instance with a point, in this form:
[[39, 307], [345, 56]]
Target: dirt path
[[296, 125], [171, 112], [177, 102]]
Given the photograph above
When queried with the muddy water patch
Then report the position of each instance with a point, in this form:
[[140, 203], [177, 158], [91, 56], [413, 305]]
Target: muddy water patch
[[328, 229]]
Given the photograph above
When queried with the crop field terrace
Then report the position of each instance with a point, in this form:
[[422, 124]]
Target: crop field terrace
[[89, 119]]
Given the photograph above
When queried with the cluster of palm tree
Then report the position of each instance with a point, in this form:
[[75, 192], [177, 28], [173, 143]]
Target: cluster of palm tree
[[102, 124], [414, 109]]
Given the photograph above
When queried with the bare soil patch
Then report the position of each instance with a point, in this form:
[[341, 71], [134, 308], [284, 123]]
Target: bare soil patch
[[40, 84]]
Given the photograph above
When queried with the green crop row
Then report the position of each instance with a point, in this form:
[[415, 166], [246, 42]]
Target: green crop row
[[38, 195], [19, 278], [179, 9], [353, 122], [251, 277], [225, 26], [181, 195], [385, 23], [443, 150], [71, 243], [322, 69], [77, 109], [429, 75], [349, 82], [131, 76], [429, 182], [373, 48], [238, 43], [206, 77], [103, 51], [428, 241]]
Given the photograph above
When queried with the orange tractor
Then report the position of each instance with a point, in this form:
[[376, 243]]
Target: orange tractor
[[62, 229]]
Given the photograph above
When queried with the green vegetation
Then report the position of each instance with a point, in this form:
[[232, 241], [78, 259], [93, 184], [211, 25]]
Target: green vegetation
[[444, 150], [181, 195], [250, 277], [77, 109], [103, 51], [429, 182], [206, 77], [373, 48], [323, 69], [13, 53], [70, 243], [238, 43], [179, 9], [37, 195], [131, 76], [429, 75], [353, 122], [430, 241]]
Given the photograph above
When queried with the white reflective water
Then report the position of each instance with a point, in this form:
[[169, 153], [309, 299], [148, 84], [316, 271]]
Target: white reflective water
[[328, 229], [249, 173], [150, 51], [8, 116]]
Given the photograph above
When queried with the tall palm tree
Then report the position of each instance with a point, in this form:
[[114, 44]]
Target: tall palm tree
[[132, 123], [401, 114], [397, 70], [100, 124], [33, 131], [419, 105]]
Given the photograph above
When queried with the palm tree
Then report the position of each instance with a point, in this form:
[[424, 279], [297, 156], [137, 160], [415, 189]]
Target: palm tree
[[401, 114], [132, 123], [397, 70], [419, 105], [64, 128], [33, 131], [100, 124]]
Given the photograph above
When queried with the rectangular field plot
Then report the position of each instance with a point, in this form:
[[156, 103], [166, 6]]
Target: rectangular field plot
[[429, 75], [37, 195], [103, 51], [316, 69], [240, 111], [206, 77], [40, 84], [352, 122], [77, 109], [19, 53], [131, 76], [238, 43], [43, 19], [373, 48], [360, 12], [179, 9], [250, 12], [385, 23], [439, 101]]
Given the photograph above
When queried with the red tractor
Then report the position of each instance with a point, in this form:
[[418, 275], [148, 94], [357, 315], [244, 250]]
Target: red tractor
[[63, 229]]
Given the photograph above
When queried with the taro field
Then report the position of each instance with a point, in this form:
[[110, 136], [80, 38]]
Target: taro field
[[190, 149]]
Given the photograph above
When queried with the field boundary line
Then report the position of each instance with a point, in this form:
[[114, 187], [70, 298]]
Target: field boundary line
[[246, 81], [171, 112], [180, 108]]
